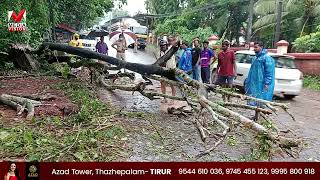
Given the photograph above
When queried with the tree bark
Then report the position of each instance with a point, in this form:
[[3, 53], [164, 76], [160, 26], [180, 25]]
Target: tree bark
[[20, 100], [279, 19], [30, 108], [249, 30], [21, 58], [139, 68], [10, 103]]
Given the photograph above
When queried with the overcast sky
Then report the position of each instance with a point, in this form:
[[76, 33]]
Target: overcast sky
[[134, 6]]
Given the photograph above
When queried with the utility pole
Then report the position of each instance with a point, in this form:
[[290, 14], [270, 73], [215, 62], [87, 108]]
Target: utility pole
[[249, 30], [279, 19]]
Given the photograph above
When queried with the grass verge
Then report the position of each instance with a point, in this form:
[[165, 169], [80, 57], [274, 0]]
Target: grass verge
[[88, 135], [312, 82]]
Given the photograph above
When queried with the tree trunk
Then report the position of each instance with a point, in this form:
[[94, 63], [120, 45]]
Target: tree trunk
[[139, 68], [279, 19], [21, 58], [249, 30]]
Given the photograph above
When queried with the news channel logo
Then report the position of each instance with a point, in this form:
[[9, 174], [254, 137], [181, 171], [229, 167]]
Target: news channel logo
[[17, 22]]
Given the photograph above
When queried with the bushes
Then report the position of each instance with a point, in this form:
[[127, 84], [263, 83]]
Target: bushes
[[312, 82], [308, 43]]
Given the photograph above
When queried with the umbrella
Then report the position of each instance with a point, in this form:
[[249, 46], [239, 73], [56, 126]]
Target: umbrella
[[98, 33], [128, 35]]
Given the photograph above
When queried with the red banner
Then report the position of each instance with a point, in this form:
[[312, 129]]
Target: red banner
[[169, 170]]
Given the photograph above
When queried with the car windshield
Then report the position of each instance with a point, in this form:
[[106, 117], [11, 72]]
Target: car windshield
[[140, 30], [281, 62]]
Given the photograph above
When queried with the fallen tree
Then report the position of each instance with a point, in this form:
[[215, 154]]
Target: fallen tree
[[20, 104], [195, 93]]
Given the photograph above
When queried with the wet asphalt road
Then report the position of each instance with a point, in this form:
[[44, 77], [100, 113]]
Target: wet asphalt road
[[126, 100]]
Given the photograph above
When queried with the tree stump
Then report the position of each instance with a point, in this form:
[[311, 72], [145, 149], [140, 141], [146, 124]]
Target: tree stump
[[22, 58]]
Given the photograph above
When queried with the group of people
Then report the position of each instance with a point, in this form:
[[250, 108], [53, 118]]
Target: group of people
[[101, 47], [196, 61]]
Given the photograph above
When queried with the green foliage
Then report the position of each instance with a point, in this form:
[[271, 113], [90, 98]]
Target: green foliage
[[95, 138], [178, 27], [261, 152], [312, 82], [163, 6], [90, 106], [191, 18], [80, 13], [298, 18], [308, 43], [63, 69], [231, 141], [268, 124], [36, 143], [202, 33], [6, 66]]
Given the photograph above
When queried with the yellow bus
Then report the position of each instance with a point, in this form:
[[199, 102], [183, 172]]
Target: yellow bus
[[142, 35]]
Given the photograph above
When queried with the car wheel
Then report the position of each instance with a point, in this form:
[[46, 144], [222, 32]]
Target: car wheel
[[289, 97]]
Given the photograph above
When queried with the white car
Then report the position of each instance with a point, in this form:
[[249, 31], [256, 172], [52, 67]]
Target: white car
[[288, 79], [88, 42]]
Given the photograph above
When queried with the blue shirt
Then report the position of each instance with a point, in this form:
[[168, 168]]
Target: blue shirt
[[185, 62]]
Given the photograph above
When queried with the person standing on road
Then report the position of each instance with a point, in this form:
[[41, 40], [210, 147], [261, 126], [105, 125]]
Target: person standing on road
[[179, 52], [227, 68], [185, 62], [196, 51], [102, 47], [121, 46], [205, 56], [171, 64], [75, 42], [261, 78]]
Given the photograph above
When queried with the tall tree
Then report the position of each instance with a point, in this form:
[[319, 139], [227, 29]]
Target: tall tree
[[250, 21], [298, 16], [279, 18], [81, 13]]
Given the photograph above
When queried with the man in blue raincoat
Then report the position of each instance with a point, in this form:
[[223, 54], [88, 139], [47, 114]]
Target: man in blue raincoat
[[261, 77], [185, 62]]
